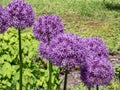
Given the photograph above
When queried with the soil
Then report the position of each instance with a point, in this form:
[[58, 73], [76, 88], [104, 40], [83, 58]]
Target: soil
[[74, 76]]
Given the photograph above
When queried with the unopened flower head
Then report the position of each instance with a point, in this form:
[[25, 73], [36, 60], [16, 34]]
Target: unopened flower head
[[66, 50], [4, 20], [21, 14], [47, 26]]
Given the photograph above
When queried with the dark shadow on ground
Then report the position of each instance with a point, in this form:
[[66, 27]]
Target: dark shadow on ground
[[112, 6]]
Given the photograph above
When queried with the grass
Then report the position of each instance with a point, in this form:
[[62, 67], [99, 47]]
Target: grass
[[84, 17]]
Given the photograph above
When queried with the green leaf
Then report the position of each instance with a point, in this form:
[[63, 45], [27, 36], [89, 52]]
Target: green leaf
[[6, 70]]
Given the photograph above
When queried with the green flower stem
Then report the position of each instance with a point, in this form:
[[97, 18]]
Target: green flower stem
[[65, 81], [50, 69], [119, 76], [20, 56], [97, 87], [89, 88], [50, 76]]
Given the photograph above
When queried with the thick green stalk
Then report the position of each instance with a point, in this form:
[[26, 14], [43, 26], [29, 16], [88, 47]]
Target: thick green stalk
[[65, 81], [50, 70], [89, 88], [20, 56], [119, 76], [97, 87], [50, 76]]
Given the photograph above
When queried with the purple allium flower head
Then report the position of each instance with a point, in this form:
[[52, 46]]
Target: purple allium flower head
[[4, 20], [98, 71], [21, 14], [47, 26], [95, 47], [66, 50]]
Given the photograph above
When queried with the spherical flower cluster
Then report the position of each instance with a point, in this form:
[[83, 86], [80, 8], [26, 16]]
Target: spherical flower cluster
[[96, 69], [47, 26], [95, 48], [4, 20], [21, 14], [66, 50], [96, 72]]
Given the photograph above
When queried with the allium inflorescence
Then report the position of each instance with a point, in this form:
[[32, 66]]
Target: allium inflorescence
[[21, 14], [95, 47], [96, 69], [66, 50], [96, 72], [47, 26], [4, 20]]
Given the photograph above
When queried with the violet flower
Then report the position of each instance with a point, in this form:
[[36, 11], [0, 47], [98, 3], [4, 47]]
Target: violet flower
[[4, 20], [96, 47], [66, 50], [96, 69], [21, 14], [47, 27]]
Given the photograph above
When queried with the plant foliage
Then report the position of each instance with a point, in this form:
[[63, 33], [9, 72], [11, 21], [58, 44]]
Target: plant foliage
[[35, 73]]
